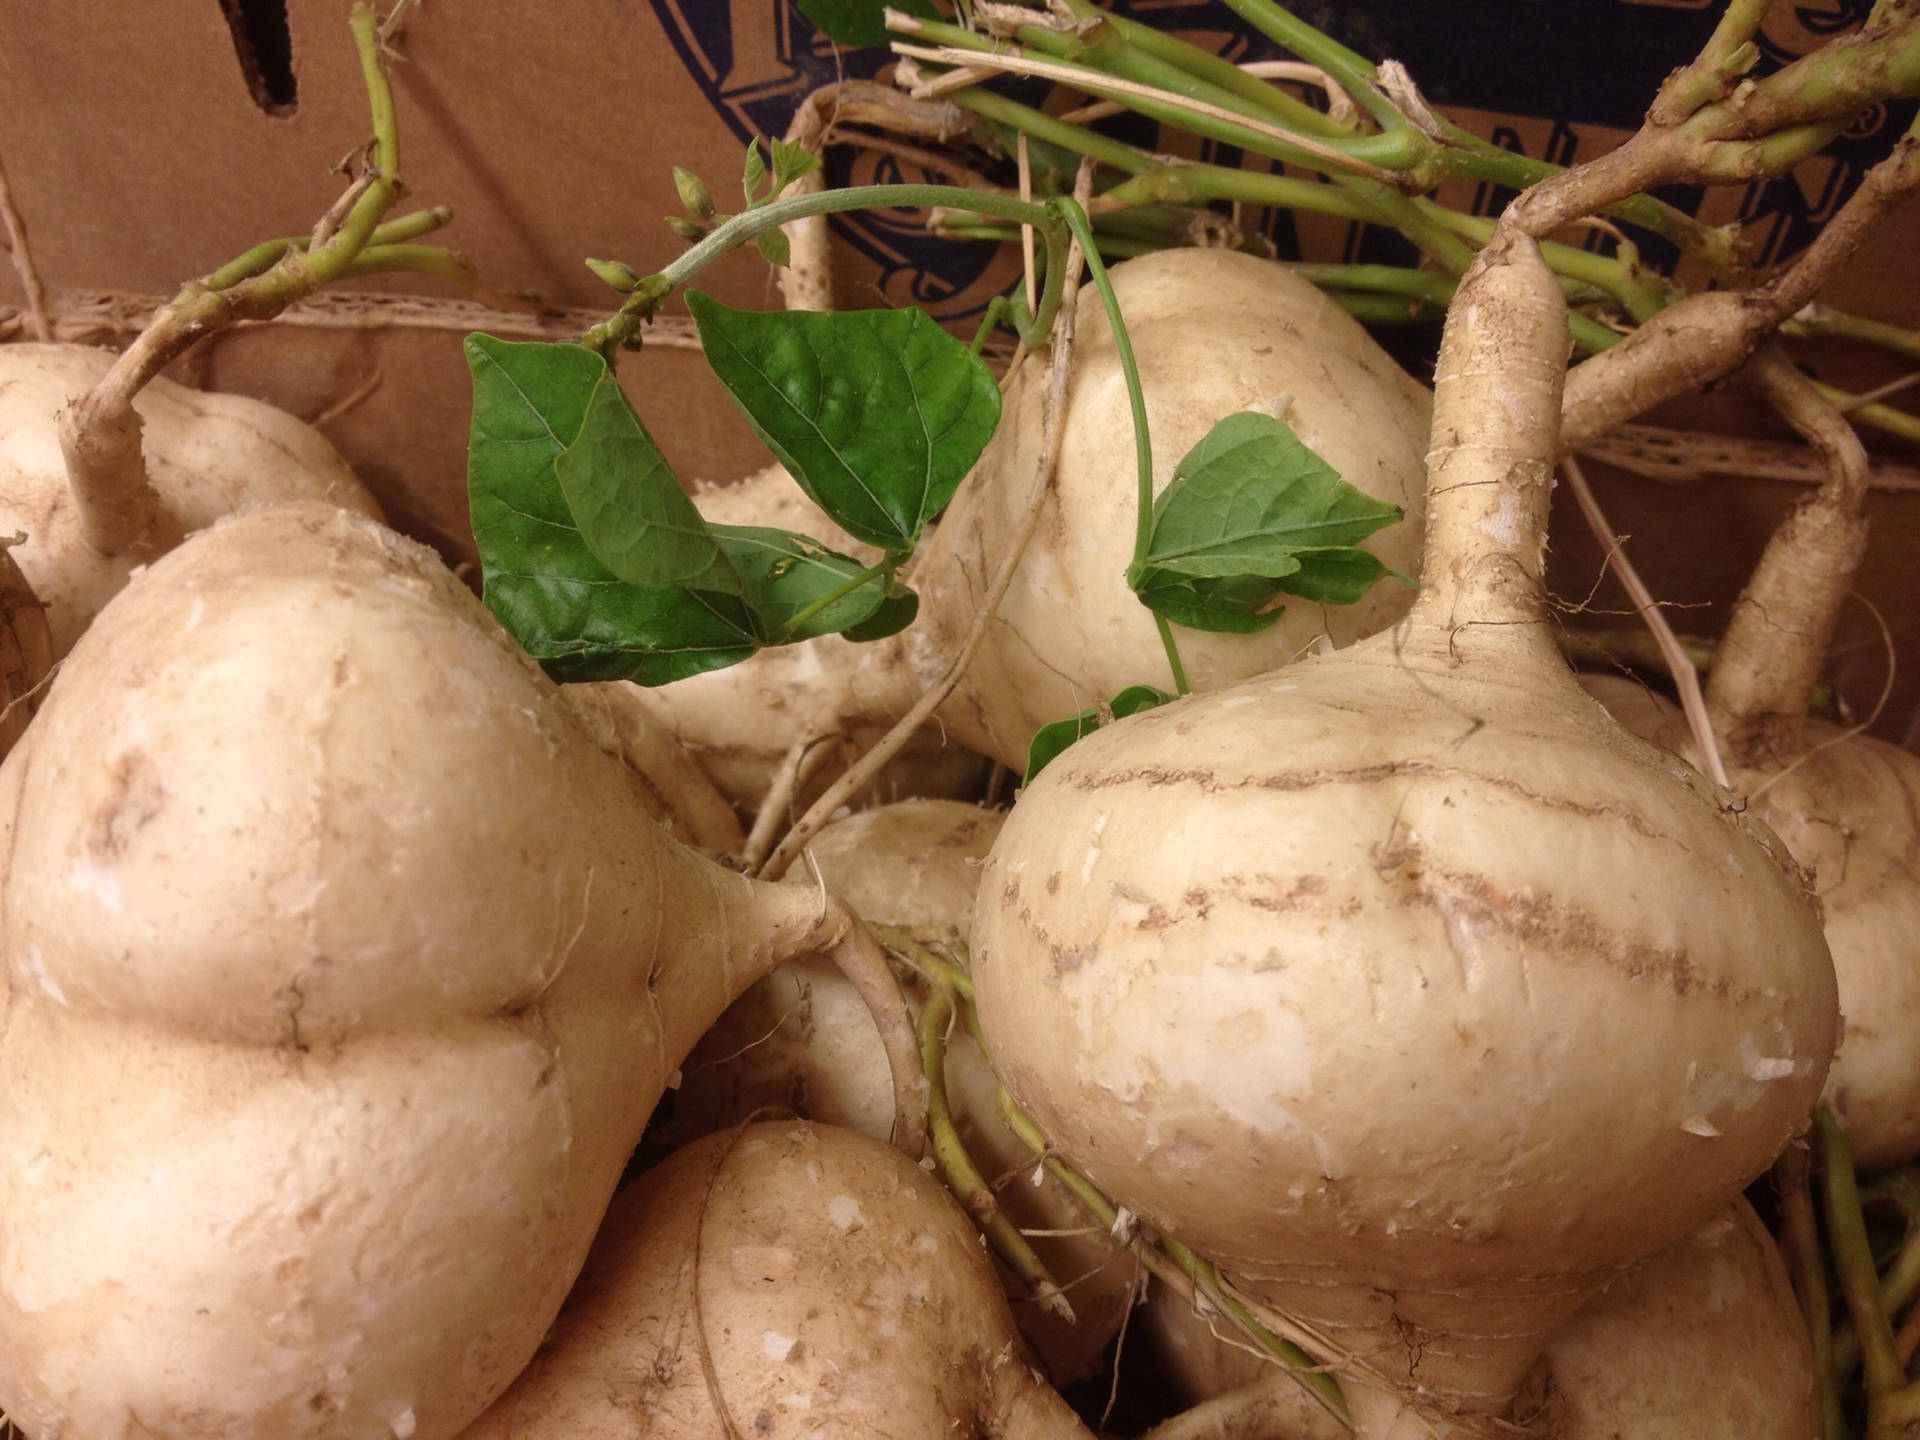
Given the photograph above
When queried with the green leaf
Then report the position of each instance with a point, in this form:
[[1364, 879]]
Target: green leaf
[[892, 615], [787, 575], [542, 581], [1249, 496], [1252, 513], [1234, 606], [790, 162], [1049, 740], [755, 171], [773, 247], [1337, 577], [860, 22], [879, 414], [630, 510]]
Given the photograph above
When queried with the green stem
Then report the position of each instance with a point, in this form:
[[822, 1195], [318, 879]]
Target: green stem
[[989, 105], [833, 597], [1853, 1259], [1000, 307], [740, 230], [1076, 220], [1173, 654], [419, 259], [1835, 82], [1402, 148], [1640, 293], [1205, 1278], [1222, 74], [1897, 1287], [1375, 308], [1354, 73], [267, 253], [962, 1176], [1823, 320], [1903, 423], [1191, 184], [1728, 54]]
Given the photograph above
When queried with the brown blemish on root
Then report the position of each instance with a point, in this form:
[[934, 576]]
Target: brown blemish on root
[[136, 797], [1550, 927], [1211, 782]]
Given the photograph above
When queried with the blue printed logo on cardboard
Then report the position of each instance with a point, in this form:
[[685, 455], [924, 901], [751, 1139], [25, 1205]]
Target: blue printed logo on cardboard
[[1558, 79]]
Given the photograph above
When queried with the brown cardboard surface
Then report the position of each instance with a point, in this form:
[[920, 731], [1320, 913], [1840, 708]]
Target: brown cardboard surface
[[139, 157]]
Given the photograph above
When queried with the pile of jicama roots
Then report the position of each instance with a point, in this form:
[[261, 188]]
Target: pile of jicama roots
[[1380, 1039]]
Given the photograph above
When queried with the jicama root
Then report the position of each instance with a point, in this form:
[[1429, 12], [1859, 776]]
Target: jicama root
[[207, 455], [787, 1281], [343, 972], [1402, 983], [801, 1040], [1847, 805], [1703, 1341]]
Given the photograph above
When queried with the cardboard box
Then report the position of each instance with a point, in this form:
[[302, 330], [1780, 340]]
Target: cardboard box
[[147, 144]]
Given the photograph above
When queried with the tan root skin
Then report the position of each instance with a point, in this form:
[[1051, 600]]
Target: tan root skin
[[1704, 1341], [1403, 983], [207, 454], [740, 721], [802, 1040], [342, 974], [1214, 332], [788, 1281], [667, 779], [1848, 808]]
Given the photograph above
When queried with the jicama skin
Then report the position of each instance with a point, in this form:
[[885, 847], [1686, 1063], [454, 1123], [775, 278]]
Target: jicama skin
[[342, 972], [1403, 983], [790, 1281], [207, 454], [1704, 1341], [667, 779], [801, 1040], [1848, 807]]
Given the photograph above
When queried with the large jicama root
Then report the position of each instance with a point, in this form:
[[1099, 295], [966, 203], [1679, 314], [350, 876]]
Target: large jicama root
[[741, 721], [1403, 984], [207, 455], [1704, 1341], [802, 1040], [787, 1281], [1847, 805], [343, 972]]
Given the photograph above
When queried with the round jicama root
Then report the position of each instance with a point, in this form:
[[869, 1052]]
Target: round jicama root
[[1848, 808], [741, 721], [343, 972], [667, 780], [1404, 984], [786, 1281], [1214, 332], [206, 454], [802, 1040], [1704, 1341]]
